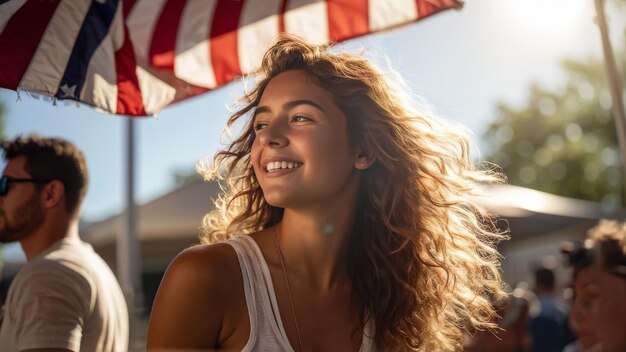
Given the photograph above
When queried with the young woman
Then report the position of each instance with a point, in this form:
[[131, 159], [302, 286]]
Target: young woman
[[581, 317], [600, 287], [346, 225]]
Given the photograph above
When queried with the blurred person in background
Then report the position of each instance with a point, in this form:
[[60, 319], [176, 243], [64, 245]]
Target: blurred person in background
[[549, 327], [512, 335], [65, 298], [585, 299], [601, 284]]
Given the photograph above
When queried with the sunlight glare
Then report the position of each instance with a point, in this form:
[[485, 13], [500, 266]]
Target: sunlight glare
[[541, 17]]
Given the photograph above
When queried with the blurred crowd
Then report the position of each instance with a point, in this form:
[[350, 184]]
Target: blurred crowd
[[587, 316]]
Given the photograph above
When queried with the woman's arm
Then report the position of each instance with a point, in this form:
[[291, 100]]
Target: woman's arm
[[189, 306]]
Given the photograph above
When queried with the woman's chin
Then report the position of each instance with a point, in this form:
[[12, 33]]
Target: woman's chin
[[278, 202]]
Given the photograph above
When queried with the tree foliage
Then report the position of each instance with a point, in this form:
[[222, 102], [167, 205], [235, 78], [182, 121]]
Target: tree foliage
[[562, 141]]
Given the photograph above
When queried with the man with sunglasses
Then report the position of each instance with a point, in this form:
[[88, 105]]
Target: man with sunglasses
[[66, 298]]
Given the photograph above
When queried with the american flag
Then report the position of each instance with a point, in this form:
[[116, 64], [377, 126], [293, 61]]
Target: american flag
[[135, 57]]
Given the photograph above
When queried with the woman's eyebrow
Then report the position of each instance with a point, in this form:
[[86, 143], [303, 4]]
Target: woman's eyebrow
[[261, 110], [289, 105], [292, 104]]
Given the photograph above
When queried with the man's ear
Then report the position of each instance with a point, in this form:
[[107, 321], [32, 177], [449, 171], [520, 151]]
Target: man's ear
[[53, 194]]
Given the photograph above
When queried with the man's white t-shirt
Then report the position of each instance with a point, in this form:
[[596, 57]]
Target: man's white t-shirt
[[66, 298]]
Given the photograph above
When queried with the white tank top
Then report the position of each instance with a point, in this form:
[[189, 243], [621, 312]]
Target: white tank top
[[266, 328]]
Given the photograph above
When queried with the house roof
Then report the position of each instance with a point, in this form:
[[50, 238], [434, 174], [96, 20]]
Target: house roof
[[176, 214]]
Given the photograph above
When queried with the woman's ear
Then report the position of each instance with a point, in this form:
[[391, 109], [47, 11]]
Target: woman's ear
[[364, 160]]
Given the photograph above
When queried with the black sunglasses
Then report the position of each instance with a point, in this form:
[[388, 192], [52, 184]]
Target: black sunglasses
[[6, 180]]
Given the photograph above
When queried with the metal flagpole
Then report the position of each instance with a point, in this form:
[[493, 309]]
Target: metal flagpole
[[614, 83], [127, 249]]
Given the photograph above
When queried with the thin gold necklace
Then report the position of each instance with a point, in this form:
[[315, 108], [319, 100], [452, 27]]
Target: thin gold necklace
[[293, 310]]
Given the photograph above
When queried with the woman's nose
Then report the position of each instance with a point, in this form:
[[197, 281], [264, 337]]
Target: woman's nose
[[575, 313], [274, 136]]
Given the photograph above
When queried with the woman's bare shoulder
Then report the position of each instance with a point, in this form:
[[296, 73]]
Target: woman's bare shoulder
[[209, 263], [194, 296]]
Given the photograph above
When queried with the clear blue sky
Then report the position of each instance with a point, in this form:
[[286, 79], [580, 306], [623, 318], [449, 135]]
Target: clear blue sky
[[461, 62]]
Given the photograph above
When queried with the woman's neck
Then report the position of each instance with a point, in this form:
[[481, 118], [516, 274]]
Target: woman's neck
[[316, 245]]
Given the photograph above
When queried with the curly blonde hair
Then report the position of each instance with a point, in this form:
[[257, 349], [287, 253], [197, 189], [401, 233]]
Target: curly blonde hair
[[422, 257]]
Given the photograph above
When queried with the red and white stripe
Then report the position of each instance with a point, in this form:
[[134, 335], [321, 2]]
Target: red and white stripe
[[193, 52]]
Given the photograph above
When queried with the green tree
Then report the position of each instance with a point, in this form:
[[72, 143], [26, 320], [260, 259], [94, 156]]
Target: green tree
[[562, 141], [184, 176]]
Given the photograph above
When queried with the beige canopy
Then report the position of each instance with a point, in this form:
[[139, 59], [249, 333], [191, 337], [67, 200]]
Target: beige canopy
[[539, 223]]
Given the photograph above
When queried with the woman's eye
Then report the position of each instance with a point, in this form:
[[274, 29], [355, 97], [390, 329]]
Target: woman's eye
[[588, 301], [259, 126], [299, 118]]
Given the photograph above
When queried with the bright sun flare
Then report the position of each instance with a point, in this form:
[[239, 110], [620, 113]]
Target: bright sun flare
[[548, 16]]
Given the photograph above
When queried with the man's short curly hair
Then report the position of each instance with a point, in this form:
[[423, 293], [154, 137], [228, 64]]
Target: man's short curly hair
[[53, 159]]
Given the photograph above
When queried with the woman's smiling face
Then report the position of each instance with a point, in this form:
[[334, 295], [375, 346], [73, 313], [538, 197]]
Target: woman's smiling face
[[301, 154]]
